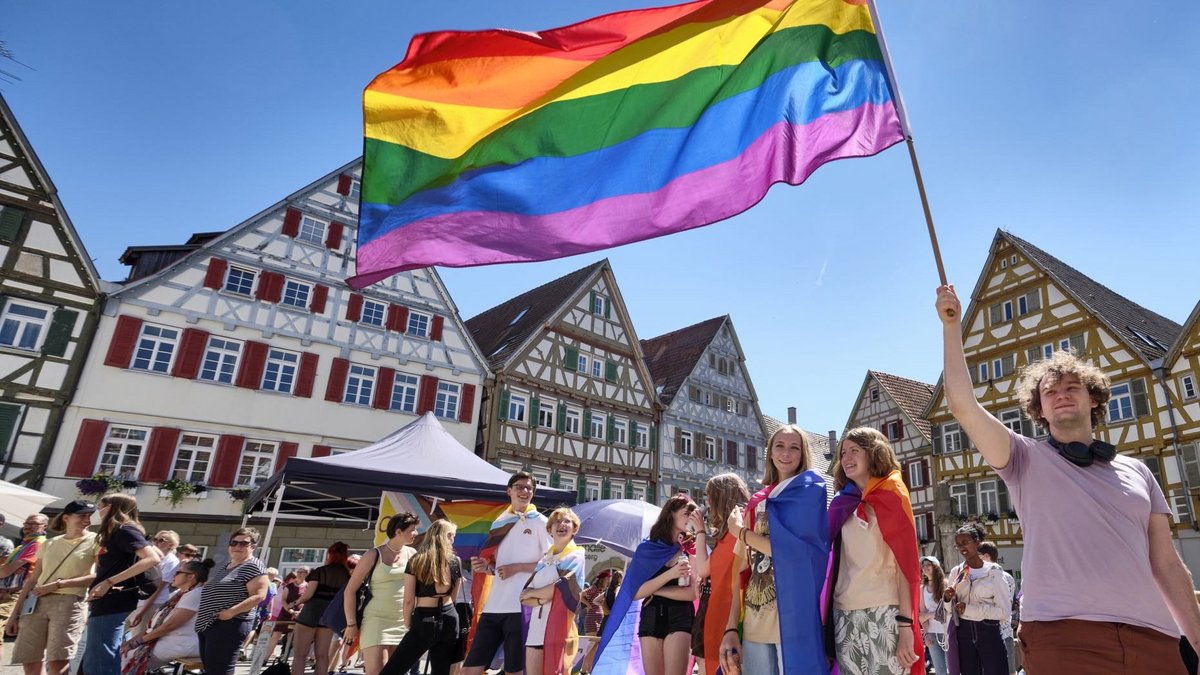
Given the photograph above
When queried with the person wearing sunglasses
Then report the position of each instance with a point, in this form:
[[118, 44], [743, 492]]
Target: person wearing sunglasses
[[166, 542], [171, 635], [227, 602]]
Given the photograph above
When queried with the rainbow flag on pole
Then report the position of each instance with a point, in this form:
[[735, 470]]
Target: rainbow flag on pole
[[503, 146]]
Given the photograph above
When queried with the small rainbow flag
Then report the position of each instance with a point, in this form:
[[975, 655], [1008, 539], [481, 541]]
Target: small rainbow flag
[[503, 146]]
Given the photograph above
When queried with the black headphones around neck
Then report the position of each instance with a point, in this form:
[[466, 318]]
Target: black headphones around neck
[[1082, 454]]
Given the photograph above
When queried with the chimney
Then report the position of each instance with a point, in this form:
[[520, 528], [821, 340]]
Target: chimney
[[791, 414], [832, 445]]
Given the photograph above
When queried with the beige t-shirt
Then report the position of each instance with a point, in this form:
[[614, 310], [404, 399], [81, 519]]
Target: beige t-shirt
[[761, 620], [867, 570], [76, 561]]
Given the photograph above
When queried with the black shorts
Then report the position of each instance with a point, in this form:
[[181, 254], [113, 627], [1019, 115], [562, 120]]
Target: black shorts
[[661, 617], [494, 631]]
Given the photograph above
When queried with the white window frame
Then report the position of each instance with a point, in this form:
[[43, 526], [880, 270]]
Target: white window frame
[[592, 491], [1187, 387], [998, 368], [261, 456], [916, 475], [234, 288], [311, 230], [1022, 306], [597, 368], [710, 448], [1120, 397], [193, 449], [160, 345], [599, 427], [952, 430], [546, 413], [707, 397], [581, 365], [984, 369], [568, 482], [686, 447], [220, 361], [296, 294], [598, 302], [620, 432], [518, 407], [874, 394], [374, 313], [1011, 419], [1179, 507], [295, 557], [573, 423], [127, 446], [616, 489], [919, 521], [282, 366], [1008, 311], [641, 435], [418, 324], [639, 491], [355, 190], [446, 400], [405, 388], [896, 426], [360, 385], [24, 323], [988, 497], [541, 477], [958, 496]]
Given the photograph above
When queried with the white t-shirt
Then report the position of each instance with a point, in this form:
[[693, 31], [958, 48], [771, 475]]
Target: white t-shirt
[[525, 543], [537, 621], [167, 566], [183, 641], [931, 605]]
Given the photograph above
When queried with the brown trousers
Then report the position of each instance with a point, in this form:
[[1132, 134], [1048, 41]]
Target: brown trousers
[[1072, 646]]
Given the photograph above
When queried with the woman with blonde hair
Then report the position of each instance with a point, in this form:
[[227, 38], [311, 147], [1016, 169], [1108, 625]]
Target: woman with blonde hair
[[786, 520], [553, 593], [714, 570], [124, 557], [875, 578], [382, 569], [431, 582]]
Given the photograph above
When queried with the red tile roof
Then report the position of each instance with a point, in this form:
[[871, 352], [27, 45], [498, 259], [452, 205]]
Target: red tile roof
[[671, 357], [912, 397]]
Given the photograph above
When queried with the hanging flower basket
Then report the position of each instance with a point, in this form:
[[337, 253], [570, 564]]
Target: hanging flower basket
[[240, 494], [102, 484], [178, 489]]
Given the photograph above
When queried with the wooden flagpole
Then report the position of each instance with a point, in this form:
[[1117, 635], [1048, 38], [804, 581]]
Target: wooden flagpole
[[908, 139]]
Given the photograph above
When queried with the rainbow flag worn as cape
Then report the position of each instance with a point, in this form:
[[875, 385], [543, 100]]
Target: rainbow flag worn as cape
[[888, 497], [678, 117], [481, 583], [474, 520], [720, 574], [560, 625], [619, 652]]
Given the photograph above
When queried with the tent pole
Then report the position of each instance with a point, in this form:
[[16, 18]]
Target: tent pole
[[265, 550]]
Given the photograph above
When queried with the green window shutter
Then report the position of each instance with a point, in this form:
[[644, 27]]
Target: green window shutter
[[608, 308], [502, 413], [587, 424], [653, 439], [628, 490], [610, 371], [1077, 344], [605, 489], [571, 359], [936, 432], [60, 332], [592, 302], [611, 431], [1141, 402], [650, 493], [10, 223], [582, 496], [633, 431], [555, 479], [535, 410], [560, 420], [9, 414]]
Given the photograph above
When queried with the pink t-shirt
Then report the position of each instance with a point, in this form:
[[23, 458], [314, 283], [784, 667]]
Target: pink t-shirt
[[1086, 555]]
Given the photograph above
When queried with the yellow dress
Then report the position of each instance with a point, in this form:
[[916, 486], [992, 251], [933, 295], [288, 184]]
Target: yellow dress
[[381, 623]]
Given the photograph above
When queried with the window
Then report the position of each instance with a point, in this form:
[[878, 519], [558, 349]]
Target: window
[[593, 489], [922, 530], [710, 449], [360, 383], [373, 313], [23, 325], [596, 368], [155, 347], [541, 477], [729, 404], [122, 451], [685, 443], [598, 304], [1008, 310], [916, 475], [446, 402], [997, 368], [257, 463], [620, 432], [1030, 302], [1120, 403], [312, 231], [1012, 420], [292, 558], [296, 294], [418, 324], [567, 482], [984, 372], [239, 281], [894, 430], [874, 394], [1003, 264], [582, 366], [641, 436], [616, 489], [989, 497], [220, 360], [572, 422], [516, 408], [1191, 463], [1187, 384], [597, 427], [1179, 504], [708, 399], [638, 492], [193, 457], [404, 392], [546, 415], [355, 189], [952, 440], [280, 371], [1001, 312], [958, 496]]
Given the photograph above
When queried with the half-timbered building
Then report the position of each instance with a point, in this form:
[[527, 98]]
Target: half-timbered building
[[1027, 304], [896, 405], [49, 294], [711, 422], [1179, 378], [221, 358], [571, 400]]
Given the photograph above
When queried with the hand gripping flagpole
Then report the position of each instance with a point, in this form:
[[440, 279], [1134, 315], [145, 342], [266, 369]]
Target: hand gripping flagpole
[[908, 138]]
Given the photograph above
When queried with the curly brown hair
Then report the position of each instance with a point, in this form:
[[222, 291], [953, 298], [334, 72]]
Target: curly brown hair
[[1059, 364], [883, 458]]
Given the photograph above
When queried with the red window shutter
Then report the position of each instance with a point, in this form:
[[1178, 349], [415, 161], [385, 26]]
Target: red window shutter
[[383, 388], [320, 294], [333, 236], [322, 451], [87, 448], [160, 452], [731, 452], [929, 526], [286, 450], [925, 470], [225, 466], [343, 187], [191, 353], [124, 339], [307, 375], [215, 276], [397, 318], [428, 394], [337, 380], [264, 291], [466, 403], [435, 331], [254, 362], [354, 307], [291, 223]]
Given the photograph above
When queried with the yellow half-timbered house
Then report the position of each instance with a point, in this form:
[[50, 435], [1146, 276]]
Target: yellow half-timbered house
[[1180, 375]]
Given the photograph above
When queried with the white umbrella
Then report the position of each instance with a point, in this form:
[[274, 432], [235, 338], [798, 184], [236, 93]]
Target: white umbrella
[[617, 523], [18, 502]]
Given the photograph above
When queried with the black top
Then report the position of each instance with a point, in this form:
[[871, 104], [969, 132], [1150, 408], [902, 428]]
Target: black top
[[425, 590], [329, 579], [660, 600], [116, 556]]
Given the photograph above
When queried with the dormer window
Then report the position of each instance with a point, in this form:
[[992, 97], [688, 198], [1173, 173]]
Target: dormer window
[[312, 231]]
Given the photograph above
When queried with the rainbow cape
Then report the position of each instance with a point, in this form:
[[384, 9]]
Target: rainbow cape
[[619, 652], [888, 497], [481, 583], [474, 520], [560, 626], [720, 574], [499, 146]]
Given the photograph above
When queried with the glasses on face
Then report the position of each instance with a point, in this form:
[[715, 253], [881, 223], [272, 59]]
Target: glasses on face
[[523, 487], [177, 573], [240, 543], [161, 540]]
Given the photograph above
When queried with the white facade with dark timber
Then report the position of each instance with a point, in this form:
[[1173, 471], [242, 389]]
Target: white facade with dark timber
[[49, 294], [225, 357], [571, 400], [711, 422]]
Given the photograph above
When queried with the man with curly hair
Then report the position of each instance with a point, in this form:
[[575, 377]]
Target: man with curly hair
[[1104, 590]]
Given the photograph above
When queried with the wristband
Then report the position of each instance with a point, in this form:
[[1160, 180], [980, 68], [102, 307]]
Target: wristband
[[730, 630], [906, 620]]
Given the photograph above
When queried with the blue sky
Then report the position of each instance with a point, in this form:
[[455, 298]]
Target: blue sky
[[1073, 130]]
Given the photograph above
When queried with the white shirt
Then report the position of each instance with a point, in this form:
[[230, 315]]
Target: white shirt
[[183, 641], [524, 543], [168, 565]]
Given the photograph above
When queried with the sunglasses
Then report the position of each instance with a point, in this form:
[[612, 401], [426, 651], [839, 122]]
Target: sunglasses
[[239, 543], [161, 540]]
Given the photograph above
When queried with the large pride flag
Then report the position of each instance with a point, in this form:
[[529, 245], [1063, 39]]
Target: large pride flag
[[503, 146]]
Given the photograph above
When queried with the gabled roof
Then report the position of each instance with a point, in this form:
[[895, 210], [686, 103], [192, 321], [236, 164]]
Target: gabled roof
[[673, 356], [819, 450], [1189, 326], [912, 397], [1120, 314], [501, 330]]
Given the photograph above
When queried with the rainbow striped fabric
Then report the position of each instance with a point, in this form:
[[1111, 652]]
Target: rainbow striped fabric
[[502, 146]]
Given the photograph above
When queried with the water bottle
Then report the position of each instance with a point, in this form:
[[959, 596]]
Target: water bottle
[[687, 579]]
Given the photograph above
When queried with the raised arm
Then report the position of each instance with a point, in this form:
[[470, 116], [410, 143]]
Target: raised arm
[[990, 436]]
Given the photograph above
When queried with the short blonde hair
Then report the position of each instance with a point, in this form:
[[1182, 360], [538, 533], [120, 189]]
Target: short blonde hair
[[169, 534], [882, 459], [562, 513], [770, 473], [1051, 370]]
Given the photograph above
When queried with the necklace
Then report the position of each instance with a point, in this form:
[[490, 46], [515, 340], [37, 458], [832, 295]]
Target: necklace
[[395, 553]]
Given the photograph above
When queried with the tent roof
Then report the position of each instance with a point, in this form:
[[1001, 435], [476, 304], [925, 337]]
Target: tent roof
[[422, 457]]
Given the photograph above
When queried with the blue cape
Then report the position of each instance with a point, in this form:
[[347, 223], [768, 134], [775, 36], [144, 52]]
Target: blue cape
[[618, 648], [799, 536]]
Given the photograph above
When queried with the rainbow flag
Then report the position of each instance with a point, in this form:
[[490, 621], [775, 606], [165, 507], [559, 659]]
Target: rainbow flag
[[503, 146], [473, 519], [562, 636]]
